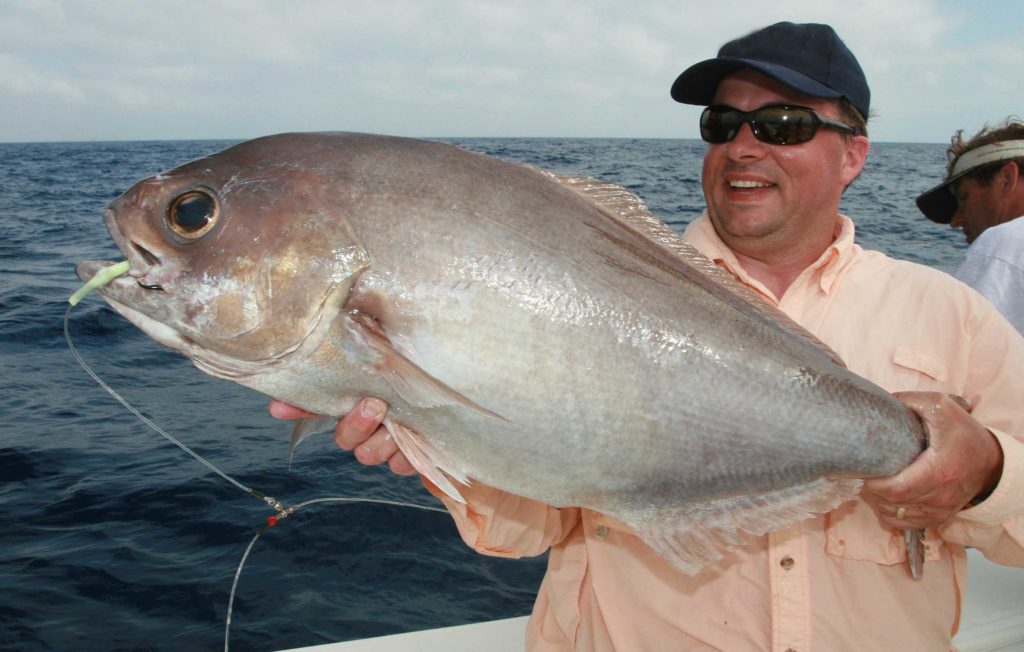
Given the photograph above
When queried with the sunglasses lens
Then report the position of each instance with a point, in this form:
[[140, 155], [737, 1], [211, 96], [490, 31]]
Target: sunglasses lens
[[784, 125], [720, 124]]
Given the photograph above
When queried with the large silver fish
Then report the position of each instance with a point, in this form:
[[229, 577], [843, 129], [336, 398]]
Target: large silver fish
[[541, 334]]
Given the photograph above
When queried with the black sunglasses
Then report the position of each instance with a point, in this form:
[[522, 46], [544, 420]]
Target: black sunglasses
[[775, 124]]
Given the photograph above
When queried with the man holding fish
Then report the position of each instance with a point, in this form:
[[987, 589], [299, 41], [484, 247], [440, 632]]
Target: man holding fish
[[786, 117]]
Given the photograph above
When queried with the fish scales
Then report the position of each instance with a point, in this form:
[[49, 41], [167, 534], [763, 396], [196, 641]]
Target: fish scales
[[541, 334]]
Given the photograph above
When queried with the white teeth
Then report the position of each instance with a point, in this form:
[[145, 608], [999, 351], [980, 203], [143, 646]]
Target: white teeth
[[748, 184]]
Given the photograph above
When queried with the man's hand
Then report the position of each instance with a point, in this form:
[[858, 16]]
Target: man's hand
[[359, 431], [963, 461]]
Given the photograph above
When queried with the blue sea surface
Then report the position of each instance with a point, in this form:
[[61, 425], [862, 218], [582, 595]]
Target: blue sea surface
[[111, 538]]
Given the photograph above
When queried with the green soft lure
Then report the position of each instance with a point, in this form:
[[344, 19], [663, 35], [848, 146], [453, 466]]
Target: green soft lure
[[102, 277]]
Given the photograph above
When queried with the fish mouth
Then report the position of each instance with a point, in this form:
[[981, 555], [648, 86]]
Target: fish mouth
[[125, 297], [123, 287], [122, 293]]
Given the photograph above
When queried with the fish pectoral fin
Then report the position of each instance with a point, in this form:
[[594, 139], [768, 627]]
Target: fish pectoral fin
[[694, 537], [413, 384], [430, 462], [305, 428]]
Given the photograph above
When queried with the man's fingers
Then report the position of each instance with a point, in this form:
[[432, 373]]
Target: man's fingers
[[964, 404], [907, 486], [360, 423], [281, 410], [400, 465], [379, 447], [358, 431], [912, 517], [907, 523], [934, 407]]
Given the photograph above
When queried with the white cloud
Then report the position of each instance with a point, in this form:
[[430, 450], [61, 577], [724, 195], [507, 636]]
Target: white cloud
[[237, 68], [21, 78]]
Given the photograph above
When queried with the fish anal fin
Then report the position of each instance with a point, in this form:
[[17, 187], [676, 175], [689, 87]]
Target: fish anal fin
[[306, 427], [413, 384], [692, 537], [427, 460]]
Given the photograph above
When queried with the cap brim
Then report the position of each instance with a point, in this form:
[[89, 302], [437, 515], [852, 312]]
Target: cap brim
[[697, 84], [938, 204]]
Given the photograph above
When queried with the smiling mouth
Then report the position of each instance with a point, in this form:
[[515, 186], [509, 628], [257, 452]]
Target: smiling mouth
[[748, 184]]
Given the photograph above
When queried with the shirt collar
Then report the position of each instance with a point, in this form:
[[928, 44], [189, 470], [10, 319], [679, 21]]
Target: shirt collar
[[824, 272]]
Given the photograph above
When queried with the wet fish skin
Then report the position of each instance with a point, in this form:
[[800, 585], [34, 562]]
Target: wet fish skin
[[539, 334]]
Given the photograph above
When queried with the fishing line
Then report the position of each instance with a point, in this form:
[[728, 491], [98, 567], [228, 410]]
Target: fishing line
[[105, 276], [271, 521], [144, 418]]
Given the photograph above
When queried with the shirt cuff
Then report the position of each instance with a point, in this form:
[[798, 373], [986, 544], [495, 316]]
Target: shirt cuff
[[1004, 501]]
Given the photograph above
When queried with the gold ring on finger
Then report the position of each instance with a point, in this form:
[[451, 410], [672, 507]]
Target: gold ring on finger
[[900, 513]]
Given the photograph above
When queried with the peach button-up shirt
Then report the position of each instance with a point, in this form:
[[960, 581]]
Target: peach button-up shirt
[[832, 583]]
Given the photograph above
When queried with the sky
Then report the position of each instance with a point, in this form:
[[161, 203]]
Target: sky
[[233, 69]]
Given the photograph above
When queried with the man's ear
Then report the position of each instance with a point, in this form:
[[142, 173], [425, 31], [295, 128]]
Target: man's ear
[[1009, 176], [856, 156]]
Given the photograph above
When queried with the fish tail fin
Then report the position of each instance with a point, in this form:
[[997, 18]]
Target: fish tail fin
[[915, 552]]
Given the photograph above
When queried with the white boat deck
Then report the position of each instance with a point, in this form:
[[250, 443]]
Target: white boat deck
[[993, 621]]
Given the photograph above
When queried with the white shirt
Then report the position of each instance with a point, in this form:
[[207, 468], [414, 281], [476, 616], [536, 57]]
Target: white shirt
[[994, 266]]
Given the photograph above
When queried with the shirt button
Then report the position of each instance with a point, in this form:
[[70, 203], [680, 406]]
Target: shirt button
[[601, 532], [787, 563]]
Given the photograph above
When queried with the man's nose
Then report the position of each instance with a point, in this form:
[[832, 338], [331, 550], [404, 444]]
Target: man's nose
[[745, 143], [957, 220]]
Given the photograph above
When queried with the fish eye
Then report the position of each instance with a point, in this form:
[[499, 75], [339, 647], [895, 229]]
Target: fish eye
[[192, 214]]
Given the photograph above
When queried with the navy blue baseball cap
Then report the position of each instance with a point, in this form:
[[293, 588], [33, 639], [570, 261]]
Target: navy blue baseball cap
[[808, 57]]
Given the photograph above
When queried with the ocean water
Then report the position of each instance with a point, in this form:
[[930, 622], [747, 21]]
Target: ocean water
[[113, 539]]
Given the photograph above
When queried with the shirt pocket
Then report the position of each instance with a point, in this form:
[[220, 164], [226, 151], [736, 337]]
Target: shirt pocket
[[852, 531], [922, 370]]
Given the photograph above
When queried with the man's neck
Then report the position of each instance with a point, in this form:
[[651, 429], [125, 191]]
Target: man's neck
[[776, 276], [1015, 207], [777, 267]]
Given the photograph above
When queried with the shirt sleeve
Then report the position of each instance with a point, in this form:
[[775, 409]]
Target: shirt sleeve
[[996, 525], [502, 524], [994, 387]]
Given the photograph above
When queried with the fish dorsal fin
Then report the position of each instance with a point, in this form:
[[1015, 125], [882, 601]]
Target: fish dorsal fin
[[623, 204], [693, 537], [630, 211], [307, 427], [413, 384], [430, 462]]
